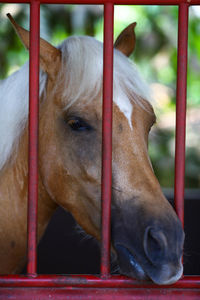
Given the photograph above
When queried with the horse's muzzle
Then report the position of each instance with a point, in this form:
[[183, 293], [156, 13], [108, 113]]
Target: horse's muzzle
[[148, 248], [149, 267]]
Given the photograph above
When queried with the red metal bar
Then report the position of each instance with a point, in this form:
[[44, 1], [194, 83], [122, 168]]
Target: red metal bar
[[117, 2], [99, 294], [106, 190], [33, 136], [91, 281], [181, 98]]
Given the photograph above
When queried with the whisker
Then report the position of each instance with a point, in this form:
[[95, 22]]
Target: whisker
[[115, 270], [117, 189], [84, 236]]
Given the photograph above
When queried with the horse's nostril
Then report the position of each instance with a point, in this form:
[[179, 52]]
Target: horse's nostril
[[155, 244]]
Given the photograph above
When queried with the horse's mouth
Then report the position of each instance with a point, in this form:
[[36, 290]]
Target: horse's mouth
[[129, 264]]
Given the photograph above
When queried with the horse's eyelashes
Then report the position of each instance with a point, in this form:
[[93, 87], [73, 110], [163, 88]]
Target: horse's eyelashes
[[78, 124]]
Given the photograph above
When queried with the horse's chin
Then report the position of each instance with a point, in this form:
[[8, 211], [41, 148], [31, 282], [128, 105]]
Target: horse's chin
[[129, 265]]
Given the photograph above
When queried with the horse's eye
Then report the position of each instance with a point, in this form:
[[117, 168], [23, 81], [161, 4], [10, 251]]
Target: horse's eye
[[77, 124]]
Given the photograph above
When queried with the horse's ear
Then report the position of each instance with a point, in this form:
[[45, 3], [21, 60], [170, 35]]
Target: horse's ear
[[50, 57], [126, 40]]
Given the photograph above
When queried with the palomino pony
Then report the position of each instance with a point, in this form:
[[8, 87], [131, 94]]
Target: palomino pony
[[147, 236]]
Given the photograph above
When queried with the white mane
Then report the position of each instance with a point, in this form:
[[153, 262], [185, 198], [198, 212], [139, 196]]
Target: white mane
[[14, 93], [83, 66]]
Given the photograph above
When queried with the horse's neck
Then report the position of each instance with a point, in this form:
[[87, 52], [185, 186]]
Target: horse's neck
[[13, 209]]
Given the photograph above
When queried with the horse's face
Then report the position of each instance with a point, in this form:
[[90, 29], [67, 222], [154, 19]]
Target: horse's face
[[147, 236], [146, 233]]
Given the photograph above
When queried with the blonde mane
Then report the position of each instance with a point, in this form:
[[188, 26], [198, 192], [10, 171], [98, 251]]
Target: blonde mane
[[14, 95], [83, 66], [82, 62]]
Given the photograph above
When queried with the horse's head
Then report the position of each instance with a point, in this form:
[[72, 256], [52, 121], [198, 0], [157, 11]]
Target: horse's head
[[147, 236]]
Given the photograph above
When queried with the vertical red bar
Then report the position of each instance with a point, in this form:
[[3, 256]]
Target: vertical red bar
[[107, 137], [181, 98], [33, 136]]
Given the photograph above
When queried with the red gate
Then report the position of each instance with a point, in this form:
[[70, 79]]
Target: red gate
[[104, 286]]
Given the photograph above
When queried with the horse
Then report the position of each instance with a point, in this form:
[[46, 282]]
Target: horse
[[146, 235]]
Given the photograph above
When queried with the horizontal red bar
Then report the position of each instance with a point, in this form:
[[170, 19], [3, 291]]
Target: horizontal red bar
[[187, 282], [117, 2], [100, 294]]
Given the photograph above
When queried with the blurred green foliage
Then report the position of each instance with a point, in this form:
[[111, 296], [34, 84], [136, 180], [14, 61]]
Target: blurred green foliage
[[155, 55]]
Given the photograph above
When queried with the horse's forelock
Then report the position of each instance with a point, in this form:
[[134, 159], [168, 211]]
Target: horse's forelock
[[82, 63], [82, 69]]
